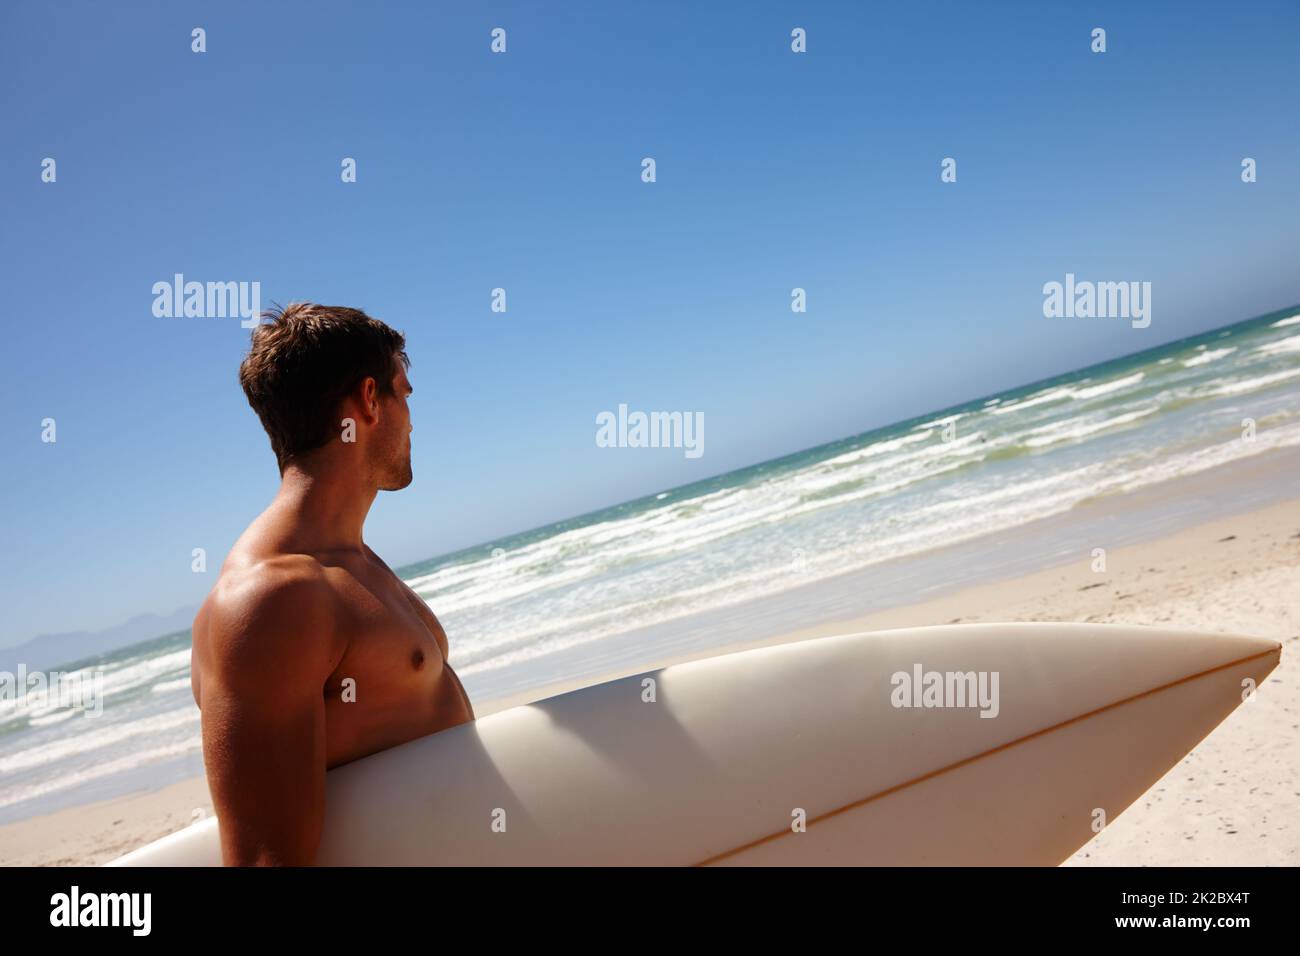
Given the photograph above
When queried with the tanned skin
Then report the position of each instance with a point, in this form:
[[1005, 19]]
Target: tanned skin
[[301, 605]]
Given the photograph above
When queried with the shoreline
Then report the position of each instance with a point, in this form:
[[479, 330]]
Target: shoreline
[[1116, 521], [1229, 802]]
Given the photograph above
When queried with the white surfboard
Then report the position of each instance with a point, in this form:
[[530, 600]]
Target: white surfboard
[[720, 761]]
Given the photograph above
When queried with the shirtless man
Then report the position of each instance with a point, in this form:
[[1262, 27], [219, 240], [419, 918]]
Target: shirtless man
[[310, 652]]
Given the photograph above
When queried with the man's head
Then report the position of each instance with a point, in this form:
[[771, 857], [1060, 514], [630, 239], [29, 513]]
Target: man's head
[[312, 366]]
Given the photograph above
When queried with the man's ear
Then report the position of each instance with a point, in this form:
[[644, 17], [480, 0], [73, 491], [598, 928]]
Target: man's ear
[[368, 396]]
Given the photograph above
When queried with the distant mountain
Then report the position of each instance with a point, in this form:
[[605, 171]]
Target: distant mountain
[[49, 650]]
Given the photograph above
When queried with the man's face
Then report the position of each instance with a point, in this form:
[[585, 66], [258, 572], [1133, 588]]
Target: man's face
[[393, 436]]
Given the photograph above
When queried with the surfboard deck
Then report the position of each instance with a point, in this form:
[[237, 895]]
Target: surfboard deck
[[718, 761]]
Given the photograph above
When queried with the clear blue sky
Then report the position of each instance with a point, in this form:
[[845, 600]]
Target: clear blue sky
[[523, 171]]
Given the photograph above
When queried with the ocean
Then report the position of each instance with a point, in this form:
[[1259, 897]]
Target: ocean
[[840, 529]]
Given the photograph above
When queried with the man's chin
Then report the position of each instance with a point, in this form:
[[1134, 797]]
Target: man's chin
[[398, 482]]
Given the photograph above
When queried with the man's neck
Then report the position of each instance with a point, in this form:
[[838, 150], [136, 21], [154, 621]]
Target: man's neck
[[327, 506]]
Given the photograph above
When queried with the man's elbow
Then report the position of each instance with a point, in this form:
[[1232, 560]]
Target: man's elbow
[[300, 851]]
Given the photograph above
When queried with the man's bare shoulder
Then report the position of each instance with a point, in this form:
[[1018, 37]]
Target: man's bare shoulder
[[273, 611]]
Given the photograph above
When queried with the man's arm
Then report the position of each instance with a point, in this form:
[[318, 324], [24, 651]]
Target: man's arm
[[271, 646]]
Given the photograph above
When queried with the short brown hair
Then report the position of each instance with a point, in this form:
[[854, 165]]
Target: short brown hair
[[304, 359]]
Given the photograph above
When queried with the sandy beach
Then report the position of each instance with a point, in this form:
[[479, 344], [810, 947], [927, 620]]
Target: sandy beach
[[1234, 800]]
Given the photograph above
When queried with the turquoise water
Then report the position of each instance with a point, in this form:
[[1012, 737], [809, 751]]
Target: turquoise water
[[793, 540]]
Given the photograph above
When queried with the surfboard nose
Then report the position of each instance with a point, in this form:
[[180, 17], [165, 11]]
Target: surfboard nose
[[1253, 657], [1260, 645], [1246, 642], [1259, 656]]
